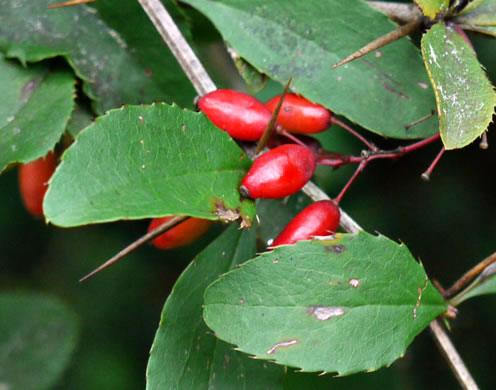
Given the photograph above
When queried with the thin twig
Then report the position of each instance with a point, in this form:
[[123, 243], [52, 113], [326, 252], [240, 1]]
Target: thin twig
[[269, 130], [136, 244], [451, 354], [70, 3], [394, 35], [399, 12], [188, 60], [316, 194], [470, 275]]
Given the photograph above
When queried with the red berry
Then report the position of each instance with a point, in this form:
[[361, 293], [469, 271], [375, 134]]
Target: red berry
[[242, 116], [319, 219], [300, 116], [182, 234], [33, 182], [279, 172]]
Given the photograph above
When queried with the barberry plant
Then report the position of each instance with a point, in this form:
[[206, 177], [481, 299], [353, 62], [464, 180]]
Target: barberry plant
[[275, 293]]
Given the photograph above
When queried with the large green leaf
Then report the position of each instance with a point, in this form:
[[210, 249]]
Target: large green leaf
[[37, 337], [149, 161], [185, 355], [382, 92], [118, 62], [431, 8], [465, 97], [478, 12], [484, 284], [349, 304], [35, 105]]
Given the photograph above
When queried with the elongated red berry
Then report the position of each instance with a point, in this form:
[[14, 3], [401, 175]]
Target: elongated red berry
[[182, 234], [242, 116], [300, 116], [319, 219], [33, 182], [279, 172]]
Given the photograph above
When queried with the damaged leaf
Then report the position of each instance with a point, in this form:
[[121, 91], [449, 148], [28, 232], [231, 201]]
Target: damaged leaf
[[465, 97], [348, 304], [149, 161]]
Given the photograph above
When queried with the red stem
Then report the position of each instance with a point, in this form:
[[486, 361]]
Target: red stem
[[427, 174], [352, 179], [371, 146]]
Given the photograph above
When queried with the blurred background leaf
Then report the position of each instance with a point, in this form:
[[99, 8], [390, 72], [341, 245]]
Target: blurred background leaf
[[37, 337]]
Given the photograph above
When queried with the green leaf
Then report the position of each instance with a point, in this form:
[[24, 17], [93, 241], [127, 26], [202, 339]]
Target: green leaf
[[484, 284], [353, 303], [478, 12], [382, 92], [82, 117], [431, 8], [465, 97], [37, 337], [185, 355], [35, 105], [255, 80], [489, 30], [149, 161], [118, 62]]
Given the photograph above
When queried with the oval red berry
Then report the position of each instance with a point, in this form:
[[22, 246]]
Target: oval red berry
[[279, 172], [300, 116], [242, 116], [319, 219], [182, 234], [33, 182]]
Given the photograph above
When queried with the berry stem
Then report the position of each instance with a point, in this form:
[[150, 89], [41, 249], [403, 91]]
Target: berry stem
[[136, 244], [290, 136], [371, 146], [362, 165], [427, 174]]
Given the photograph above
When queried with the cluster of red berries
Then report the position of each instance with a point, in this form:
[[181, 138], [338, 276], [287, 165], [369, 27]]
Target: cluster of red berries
[[280, 172]]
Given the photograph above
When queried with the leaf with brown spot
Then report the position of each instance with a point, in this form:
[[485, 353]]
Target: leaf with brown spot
[[157, 168], [322, 311], [185, 354]]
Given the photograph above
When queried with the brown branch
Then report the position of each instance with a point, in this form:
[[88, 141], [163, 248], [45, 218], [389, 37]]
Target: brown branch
[[136, 244], [452, 357], [186, 57], [469, 276], [381, 42]]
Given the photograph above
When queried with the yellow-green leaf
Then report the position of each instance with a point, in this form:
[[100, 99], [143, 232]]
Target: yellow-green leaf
[[431, 8]]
